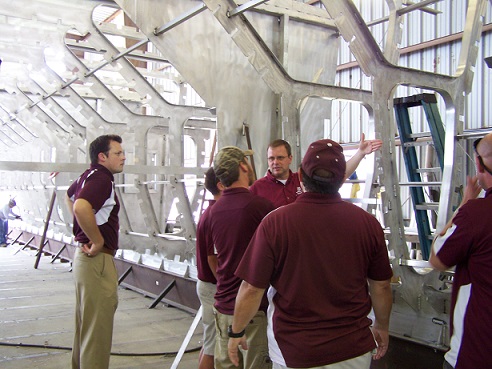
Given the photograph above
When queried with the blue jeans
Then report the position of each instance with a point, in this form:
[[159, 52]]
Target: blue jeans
[[4, 230]]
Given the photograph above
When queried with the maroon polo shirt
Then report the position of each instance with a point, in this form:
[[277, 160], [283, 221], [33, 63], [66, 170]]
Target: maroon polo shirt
[[233, 221], [317, 254], [204, 246], [96, 185], [469, 247], [275, 191]]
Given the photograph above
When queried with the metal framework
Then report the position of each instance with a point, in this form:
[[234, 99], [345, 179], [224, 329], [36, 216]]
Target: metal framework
[[177, 74]]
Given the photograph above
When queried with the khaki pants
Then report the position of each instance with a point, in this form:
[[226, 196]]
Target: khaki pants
[[96, 285], [206, 292], [256, 357]]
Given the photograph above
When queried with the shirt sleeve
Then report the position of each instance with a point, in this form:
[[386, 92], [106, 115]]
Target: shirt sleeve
[[455, 244], [72, 188], [96, 191], [204, 237]]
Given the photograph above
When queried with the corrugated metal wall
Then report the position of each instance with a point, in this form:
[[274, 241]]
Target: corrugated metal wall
[[418, 27], [440, 56]]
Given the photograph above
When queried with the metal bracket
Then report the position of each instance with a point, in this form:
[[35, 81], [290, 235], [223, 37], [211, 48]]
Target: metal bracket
[[163, 294], [124, 275]]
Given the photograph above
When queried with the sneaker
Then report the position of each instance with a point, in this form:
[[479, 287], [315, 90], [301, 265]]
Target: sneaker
[[3, 245]]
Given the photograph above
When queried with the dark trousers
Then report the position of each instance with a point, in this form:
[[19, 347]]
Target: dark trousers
[[446, 365]]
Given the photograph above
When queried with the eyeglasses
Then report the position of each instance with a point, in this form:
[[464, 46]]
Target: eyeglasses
[[278, 158], [118, 153], [475, 144]]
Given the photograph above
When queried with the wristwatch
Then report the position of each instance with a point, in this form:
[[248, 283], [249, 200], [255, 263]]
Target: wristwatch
[[231, 334]]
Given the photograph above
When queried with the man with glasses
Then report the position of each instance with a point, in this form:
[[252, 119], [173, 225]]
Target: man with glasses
[[281, 186], [322, 277], [94, 205], [466, 242]]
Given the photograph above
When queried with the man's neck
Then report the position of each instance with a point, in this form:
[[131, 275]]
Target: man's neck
[[239, 184], [281, 178]]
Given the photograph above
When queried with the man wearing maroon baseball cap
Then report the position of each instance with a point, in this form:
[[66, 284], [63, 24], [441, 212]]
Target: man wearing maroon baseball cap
[[325, 264], [324, 162]]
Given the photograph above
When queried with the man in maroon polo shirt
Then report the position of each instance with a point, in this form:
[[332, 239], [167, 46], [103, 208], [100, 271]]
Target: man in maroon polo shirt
[[466, 242], [319, 258], [233, 220], [207, 264], [281, 186], [93, 202]]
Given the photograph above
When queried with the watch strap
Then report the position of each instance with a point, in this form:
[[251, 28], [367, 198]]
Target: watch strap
[[231, 334]]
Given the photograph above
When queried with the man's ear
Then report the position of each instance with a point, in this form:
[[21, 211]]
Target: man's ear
[[478, 164], [243, 166], [101, 157]]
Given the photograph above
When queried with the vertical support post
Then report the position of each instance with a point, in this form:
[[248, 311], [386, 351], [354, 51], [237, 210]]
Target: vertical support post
[[210, 162], [248, 140], [45, 230]]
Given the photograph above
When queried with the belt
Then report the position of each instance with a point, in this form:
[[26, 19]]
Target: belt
[[104, 249], [108, 251]]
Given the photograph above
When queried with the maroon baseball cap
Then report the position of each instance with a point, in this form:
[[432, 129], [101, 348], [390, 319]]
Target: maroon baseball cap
[[327, 155]]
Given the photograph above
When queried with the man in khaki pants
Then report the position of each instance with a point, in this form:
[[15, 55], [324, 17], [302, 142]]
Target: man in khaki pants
[[93, 202]]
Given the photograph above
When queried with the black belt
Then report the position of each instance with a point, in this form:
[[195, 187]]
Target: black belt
[[104, 249], [108, 251]]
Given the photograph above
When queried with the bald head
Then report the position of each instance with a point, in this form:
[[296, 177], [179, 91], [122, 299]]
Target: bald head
[[484, 147], [483, 151]]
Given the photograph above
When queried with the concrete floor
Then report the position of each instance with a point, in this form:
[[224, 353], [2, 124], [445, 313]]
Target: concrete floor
[[36, 308]]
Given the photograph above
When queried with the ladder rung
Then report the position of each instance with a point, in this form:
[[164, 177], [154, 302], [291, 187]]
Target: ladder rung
[[427, 170], [415, 100], [420, 184], [417, 143], [419, 135], [415, 263], [427, 206]]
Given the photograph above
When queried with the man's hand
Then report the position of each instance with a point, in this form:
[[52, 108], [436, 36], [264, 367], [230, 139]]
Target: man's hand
[[382, 341], [472, 189], [369, 146], [91, 249], [232, 348]]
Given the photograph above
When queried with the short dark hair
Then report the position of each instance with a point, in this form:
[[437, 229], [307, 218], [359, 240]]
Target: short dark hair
[[101, 144], [211, 181], [279, 142], [320, 186]]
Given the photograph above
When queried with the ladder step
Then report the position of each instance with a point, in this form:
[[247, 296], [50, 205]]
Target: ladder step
[[418, 143], [419, 135], [429, 170], [420, 184], [416, 100], [427, 206], [415, 263]]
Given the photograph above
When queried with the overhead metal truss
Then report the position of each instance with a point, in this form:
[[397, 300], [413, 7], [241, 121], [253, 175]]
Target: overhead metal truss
[[267, 65]]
